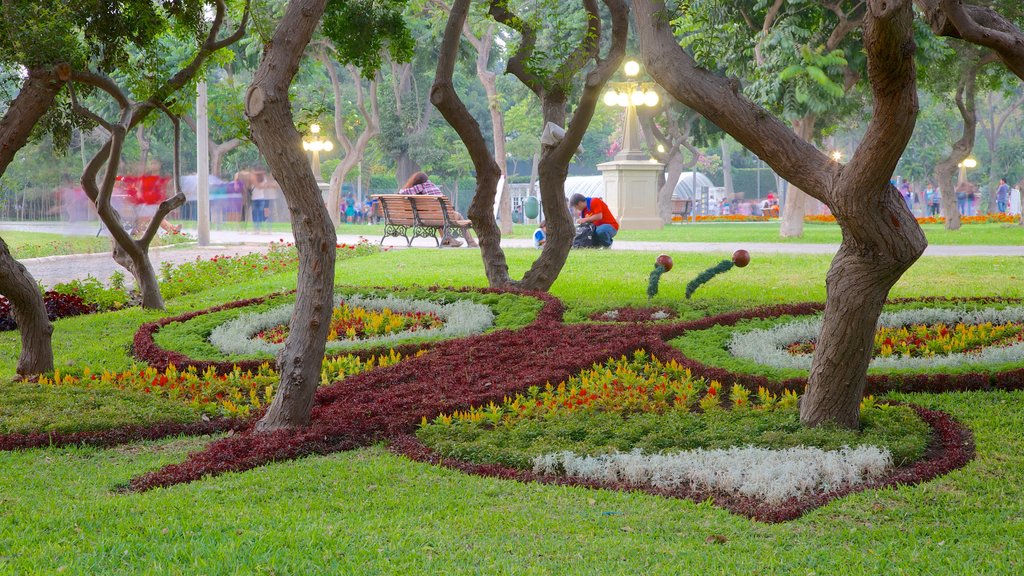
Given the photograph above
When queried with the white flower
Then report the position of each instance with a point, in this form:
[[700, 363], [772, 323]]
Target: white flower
[[461, 318], [768, 346], [769, 475]]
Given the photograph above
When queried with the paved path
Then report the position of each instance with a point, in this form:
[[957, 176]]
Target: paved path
[[52, 269]]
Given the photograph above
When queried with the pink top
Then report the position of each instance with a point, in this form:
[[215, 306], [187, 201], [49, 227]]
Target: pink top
[[428, 188]]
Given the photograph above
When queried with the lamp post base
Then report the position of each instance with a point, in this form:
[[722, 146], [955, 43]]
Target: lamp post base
[[631, 191]]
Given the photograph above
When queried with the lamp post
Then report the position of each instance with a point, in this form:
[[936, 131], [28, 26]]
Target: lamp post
[[314, 145], [629, 95], [963, 166]]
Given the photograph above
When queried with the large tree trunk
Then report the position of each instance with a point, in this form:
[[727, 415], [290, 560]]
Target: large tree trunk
[[795, 208], [20, 288], [880, 242], [36, 96], [269, 112], [137, 262], [881, 238]]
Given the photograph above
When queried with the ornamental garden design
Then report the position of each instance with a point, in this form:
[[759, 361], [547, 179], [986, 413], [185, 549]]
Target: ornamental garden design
[[697, 409]]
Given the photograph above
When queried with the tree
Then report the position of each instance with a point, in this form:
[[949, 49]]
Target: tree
[[970, 63], [483, 45], [369, 121], [129, 251], [48, 41], [805, 64], [999, 108], [981, 25], [553, 87], [359, 31], [881, 238], [666, 143]]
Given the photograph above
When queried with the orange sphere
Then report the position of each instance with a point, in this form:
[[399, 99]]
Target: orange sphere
[[741, 258]]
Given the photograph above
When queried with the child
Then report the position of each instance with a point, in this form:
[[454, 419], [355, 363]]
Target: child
[[540, 235]]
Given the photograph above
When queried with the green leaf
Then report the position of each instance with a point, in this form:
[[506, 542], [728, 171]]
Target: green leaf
[[790, 72]]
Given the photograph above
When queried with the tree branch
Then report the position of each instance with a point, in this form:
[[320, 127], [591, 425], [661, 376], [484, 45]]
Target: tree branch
[[516, 66], [719, 100], [978, 25]]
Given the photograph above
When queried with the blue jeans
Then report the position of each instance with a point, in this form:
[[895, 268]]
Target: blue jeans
[[1003, 205], [603, 235]]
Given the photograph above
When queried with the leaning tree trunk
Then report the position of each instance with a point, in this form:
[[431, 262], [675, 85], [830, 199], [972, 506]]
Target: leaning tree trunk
[[29, 312], [795, 208], [36, 96], [136, 260], [879, 244], [881, 237], [447, 101], [269, 112]]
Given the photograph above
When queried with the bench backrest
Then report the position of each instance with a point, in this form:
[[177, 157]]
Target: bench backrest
[[397, 209], [430, 209]]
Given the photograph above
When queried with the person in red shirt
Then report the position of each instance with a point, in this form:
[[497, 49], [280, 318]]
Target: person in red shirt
[[596, 212]]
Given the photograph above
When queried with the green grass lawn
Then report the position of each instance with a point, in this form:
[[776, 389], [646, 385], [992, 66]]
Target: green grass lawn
[[37, 244], [969, 234], [370, 512]]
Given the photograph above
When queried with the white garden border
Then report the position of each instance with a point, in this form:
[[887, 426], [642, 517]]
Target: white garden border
[[461, 318], [769, 475], [768, 346]]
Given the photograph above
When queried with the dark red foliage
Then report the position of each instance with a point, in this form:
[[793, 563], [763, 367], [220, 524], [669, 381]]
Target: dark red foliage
[[952, 447], [630, 314], [388, 403], [147, 350], [115, 436], [58, 305]]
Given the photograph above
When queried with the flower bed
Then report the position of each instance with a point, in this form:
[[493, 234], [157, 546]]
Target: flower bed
[[997, 368], [644, 404], [236, 394], [454, 320], [58, 305], [183, 340], [389, 403], [630, 314], [952, 447], [224, 270]]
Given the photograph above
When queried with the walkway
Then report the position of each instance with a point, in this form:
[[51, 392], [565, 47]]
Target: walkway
[[52, 269]]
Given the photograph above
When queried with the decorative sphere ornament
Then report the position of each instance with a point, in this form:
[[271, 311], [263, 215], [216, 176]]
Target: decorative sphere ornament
[[665, 261], [741, 258]]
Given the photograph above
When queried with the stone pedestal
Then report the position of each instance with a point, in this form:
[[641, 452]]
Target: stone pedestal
[[631, 191]]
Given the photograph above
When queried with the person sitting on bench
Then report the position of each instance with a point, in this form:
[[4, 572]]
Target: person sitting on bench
[[419, 184]]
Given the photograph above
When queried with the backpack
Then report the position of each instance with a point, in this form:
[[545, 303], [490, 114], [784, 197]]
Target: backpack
[[584, 236]]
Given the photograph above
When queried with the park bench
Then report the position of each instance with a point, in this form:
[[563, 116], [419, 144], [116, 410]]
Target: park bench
[[423, 216], [681, 207]]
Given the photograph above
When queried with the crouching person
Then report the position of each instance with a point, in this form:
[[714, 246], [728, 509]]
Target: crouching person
[[595, 211]]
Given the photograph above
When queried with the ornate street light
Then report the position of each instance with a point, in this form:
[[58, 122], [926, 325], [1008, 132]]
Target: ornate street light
[[963, 166], [315, 145], [630, 95]]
